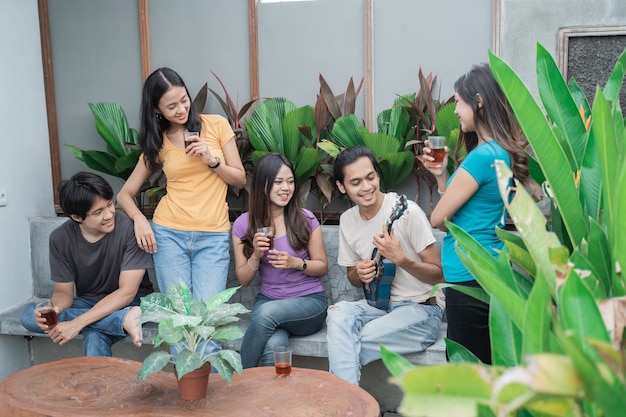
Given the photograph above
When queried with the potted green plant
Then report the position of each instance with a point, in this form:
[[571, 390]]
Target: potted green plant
[[186, 326], [557, 291]]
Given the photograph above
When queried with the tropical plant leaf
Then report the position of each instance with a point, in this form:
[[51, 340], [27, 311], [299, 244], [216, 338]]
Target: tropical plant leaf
[[590, 187], [112, 126], [153, 363], [292, 122], [395, 167], [575, 302], [537, 319], [506, 337], [396, 364], [560, 106], [96, 160], [459, 354], [550, 156]]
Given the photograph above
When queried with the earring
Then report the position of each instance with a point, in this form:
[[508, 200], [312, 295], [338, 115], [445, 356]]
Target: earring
[[159, 116]]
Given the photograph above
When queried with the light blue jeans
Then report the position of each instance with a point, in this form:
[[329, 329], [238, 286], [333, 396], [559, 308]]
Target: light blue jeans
[[199, 259], [356, 330], [272, 322], [98, 337]]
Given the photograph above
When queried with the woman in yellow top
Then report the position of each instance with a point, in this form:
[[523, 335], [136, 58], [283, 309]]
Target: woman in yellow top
[[189, 235]]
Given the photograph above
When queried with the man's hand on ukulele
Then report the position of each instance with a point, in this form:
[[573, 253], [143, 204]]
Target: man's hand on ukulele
[[389, 245], [366, 270]]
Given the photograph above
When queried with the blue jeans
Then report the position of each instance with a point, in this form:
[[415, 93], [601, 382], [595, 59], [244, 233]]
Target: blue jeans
[[199, 259], [98, 337], [356, 330], [272, 322]]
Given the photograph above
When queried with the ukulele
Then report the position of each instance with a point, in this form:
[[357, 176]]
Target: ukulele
[[378, 291]]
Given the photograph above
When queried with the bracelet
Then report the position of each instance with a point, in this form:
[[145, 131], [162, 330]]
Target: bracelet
[[439, 191], [251, 267], [216, 163]]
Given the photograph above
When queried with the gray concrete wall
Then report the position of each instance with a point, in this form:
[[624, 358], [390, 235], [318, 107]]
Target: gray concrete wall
[[24, 160]]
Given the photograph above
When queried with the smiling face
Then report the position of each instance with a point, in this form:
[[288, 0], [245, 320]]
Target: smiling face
[[283, 187], [362, 184], [174, 105], [465, 113], [99, 221]]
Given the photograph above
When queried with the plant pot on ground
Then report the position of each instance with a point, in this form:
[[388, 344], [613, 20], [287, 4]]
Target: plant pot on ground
[[188, 326]]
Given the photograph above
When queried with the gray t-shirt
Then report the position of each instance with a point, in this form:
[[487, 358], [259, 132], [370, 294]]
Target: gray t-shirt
[[95, 267]]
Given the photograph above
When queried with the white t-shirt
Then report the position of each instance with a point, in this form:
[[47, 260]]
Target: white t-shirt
[[412, 229]]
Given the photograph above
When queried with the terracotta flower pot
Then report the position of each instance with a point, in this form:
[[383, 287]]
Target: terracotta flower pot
[[193, 385]]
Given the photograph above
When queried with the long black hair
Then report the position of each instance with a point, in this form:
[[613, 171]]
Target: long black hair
[[259, 208], [154, 124], [495, 116]]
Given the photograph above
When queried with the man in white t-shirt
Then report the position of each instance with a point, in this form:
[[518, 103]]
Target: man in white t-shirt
[[411, 322]]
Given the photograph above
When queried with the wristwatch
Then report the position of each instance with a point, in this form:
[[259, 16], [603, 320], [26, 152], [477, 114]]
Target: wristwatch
[[217, 163], [303, 266]]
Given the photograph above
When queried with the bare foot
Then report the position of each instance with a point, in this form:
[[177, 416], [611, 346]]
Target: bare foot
[[132, 325]]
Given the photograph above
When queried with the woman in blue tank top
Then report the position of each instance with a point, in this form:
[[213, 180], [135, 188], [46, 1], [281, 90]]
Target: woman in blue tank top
[[470, 197]]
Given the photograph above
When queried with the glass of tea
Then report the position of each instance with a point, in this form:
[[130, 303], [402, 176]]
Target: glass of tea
[[437, 146], [268, 231], [282, 361], [188, 136], [46, 309]]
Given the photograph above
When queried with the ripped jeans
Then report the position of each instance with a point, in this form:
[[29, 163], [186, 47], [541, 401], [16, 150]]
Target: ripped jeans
[[356, 330]]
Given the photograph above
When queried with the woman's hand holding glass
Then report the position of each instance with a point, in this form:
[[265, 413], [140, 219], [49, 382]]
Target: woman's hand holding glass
[[437, 169]]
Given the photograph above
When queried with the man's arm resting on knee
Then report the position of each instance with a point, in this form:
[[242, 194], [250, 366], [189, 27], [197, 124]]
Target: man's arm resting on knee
[[128, 285]]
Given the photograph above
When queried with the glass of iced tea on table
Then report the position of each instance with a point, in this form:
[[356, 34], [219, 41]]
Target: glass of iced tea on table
[[282, 361], [437, 146], [46, 309]]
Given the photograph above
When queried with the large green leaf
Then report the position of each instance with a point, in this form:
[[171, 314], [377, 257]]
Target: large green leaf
[[306, 164], [610, 159], [600, 384], [265, 126], [292, 122], [599, 254], [446, 390], [575, 302], [506, 338], [483, 267], [560, 106], [530, 223], [395, 363], [549, 154], [537, 319], [112, 126], [590, 187], [97, 160], [396, 167], [153, 363], [618, 244], [347, 132]]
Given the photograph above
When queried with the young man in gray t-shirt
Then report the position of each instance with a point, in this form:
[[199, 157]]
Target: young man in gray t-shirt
[[96, 257]]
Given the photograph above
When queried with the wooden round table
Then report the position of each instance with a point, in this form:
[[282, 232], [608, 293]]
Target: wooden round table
[[102, 386]]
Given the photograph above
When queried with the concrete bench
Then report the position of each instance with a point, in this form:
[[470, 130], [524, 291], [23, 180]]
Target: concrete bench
[[335, 283]]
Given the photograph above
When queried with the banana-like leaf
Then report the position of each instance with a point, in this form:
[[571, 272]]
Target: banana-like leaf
[[537, 319], [590, 187], [446, 390], [599, 254], [576, 301], [483, 267], [397, 364], [530, 223], [560, 106], [459, 354], [611, 160], [506, 337], [614, 84], [600, 384], [579, 97], [618, 244], [550, 156]]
